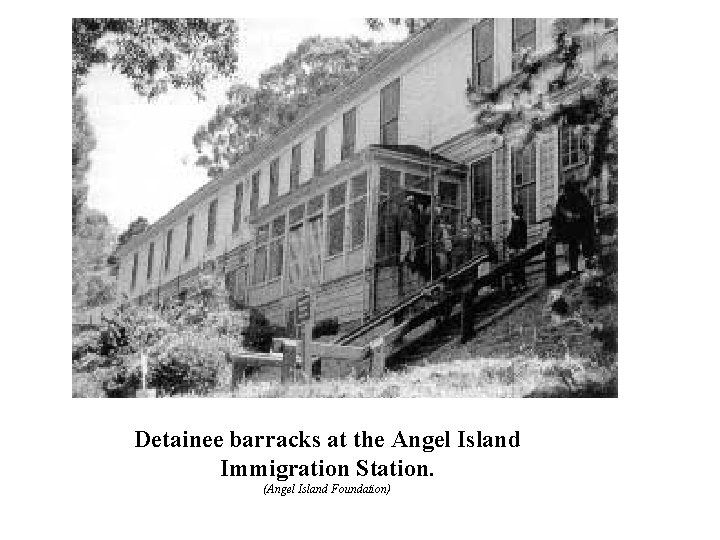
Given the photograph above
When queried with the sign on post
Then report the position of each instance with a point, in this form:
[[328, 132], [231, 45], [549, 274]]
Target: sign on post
[[303, 307]]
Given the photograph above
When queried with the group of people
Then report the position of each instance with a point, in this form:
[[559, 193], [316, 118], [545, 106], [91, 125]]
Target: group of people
[[572, 223], [429, 245]]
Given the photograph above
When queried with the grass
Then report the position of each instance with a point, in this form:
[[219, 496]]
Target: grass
[[474, 377], [529, 353]]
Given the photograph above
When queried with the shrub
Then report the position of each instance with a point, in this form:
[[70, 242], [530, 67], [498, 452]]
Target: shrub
[[325, 327], [258, 333], [85, 343], [188, 361]]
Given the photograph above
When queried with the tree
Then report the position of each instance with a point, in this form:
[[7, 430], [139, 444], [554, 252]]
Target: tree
[[138, 226], [539, 75], [412, 25], [93, 241], [156, 54], [83, 142], [315, 68]]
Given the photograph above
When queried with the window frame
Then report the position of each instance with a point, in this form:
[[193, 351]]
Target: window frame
[[477, 62], [292, 226], [485, 214], [276, 241], [237, 207], [332, 211], [295, 166], [386, 123], [151, 256], [255, 192], [353, 201], [349, 135], [319, 151], [211, 223], [261, 243], [518, 189], [133, 274], [517, 38], [274, 184], [168, 248], [189, 225]]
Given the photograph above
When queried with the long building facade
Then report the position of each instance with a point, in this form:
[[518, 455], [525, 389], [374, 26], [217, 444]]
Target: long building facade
[[314, 207]]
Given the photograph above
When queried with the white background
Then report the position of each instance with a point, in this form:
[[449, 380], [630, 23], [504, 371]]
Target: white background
[[641, 466]]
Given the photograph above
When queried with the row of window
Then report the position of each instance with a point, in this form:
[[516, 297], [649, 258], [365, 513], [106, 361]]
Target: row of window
[[389, 114], [524, 36], [210, 240], [301, 229]]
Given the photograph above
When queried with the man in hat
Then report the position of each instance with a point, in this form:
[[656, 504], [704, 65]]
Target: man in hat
[[573, 223]]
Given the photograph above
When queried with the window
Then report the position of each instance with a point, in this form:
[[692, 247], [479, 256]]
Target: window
[[151, 255], [276, 247], [348, 141], [319, 166], [274, 178], [523, 180], [237, 207], [295, 162], [387, 231], [448, 193], [188, 235], [482, 191], [358, 202], [483, 47], [336, 219], [168, 249], [573, 154], [415, 182], [523, 37], [212, 220], [389, 109], [260, 260], [295, 247], [315, 238], [255, 192], [133, 277]]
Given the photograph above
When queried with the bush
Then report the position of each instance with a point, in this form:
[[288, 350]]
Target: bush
[[86, 342], [325, 327], [259, 332], [189, 361], [186, 345]]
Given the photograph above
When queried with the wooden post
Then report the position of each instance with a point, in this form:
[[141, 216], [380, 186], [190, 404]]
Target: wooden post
[[550, 260], [289, 354], [307, 349], [377, 365], [467, 313]]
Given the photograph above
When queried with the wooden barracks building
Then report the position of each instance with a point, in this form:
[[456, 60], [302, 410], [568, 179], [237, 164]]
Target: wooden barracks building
[[311, 207]]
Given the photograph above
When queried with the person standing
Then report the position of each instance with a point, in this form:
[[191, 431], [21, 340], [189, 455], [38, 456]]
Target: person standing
[[517, 242], [573, 223], [408, 221]]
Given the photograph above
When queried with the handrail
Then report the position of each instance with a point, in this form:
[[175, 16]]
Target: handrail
[[390, 312], [461, 274]]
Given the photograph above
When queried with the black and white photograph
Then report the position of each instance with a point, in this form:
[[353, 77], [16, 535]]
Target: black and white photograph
[[371, 207]]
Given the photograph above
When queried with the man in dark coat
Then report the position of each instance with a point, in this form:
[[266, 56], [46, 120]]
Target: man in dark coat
[[574, 223]]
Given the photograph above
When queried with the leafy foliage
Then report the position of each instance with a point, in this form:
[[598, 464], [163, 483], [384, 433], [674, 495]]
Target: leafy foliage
[[83, 142], [138, 226], [156, 54], [595, 108], [412, 25], [315, 68], [93, 240], [185, 345], [259, 332]]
